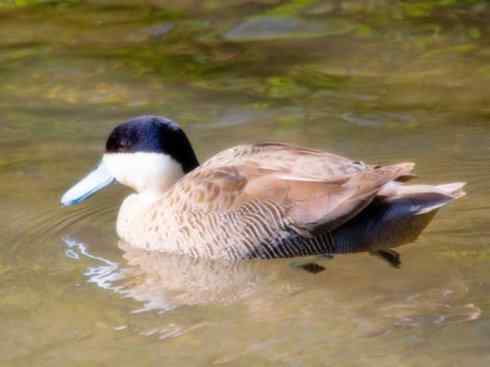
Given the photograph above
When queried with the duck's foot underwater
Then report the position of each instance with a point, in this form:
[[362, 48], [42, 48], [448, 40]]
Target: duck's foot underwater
[[312, 268], [309, 264], [390, 256]]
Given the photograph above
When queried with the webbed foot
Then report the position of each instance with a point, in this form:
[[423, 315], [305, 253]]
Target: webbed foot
[[390, 256], [309, 267], [312, 268]]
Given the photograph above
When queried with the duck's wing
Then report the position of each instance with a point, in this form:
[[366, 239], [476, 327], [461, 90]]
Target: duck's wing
[[289, 159], [308, 204]]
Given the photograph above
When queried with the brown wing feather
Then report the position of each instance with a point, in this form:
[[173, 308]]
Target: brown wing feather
[[310, 204], [335, 205]]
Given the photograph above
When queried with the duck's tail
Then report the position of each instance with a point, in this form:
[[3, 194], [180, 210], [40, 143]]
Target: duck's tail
[[397, 216], [422, 198]]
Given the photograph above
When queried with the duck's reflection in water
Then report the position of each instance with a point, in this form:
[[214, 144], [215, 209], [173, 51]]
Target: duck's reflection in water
[[273, 290], [162, 281], [181, 280]]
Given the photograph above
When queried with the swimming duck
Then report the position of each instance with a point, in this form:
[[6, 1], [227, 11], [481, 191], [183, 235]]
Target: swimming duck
[[268, 200]]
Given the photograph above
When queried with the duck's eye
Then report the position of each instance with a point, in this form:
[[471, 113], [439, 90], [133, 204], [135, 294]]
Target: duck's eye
[[124, 144]]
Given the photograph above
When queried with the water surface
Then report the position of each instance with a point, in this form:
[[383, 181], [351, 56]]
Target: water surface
[[379, 81]]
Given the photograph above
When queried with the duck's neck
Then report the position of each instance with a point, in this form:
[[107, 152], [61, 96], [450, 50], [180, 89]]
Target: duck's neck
[[189, 159], [131, 215], [157, 174]]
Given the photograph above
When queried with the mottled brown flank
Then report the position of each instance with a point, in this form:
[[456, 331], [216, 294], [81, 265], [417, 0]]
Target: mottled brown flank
[[264, 201]]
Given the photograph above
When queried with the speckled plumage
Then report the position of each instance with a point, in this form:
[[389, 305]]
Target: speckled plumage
[[260, 201]]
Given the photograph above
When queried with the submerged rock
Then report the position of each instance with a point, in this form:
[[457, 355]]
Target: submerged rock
[[284, 27], [380, 119]]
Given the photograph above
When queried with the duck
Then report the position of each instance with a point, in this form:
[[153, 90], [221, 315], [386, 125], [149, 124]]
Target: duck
[[257, 201]]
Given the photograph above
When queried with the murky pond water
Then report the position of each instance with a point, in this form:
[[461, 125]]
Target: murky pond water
[[375, 80]]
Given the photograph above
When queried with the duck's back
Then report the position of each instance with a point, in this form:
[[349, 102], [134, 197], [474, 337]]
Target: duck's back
[[289, 159]]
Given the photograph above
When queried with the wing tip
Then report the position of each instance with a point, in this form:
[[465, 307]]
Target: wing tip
[[404, 168]]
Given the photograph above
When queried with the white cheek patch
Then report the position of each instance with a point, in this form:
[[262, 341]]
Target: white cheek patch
[[143, 171]]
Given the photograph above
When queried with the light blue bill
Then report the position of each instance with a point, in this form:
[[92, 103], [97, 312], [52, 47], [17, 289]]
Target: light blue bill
[[89, 185]]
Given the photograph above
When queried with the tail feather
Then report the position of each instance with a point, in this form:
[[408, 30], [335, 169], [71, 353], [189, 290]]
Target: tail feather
[[454, 189], [423, 198], [396, 216]]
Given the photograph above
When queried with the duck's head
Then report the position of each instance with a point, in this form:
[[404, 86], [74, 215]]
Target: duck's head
[[147, 153]]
